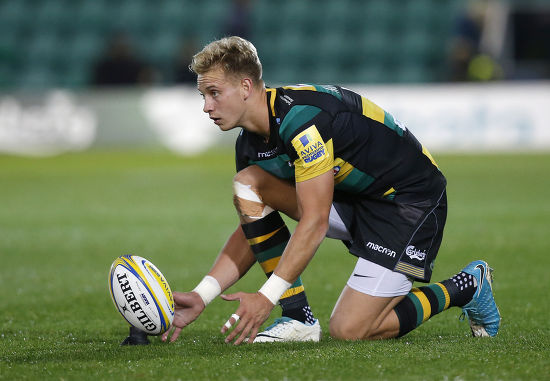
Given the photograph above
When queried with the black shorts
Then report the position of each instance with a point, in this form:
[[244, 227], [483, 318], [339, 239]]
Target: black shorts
[[403, 237]]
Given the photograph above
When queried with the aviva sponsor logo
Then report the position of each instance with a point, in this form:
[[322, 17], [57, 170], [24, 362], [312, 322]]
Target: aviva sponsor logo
[[310, 146], [305, 140], [313, 152]]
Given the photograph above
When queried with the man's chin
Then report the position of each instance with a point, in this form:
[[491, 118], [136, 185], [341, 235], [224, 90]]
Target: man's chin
[[225, 127]]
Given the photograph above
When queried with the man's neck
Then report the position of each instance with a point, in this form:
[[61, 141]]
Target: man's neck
[[258, 114]]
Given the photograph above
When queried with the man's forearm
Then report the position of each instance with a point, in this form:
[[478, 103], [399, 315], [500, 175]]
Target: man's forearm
[[301, 248], [314, 201], [234, 260]]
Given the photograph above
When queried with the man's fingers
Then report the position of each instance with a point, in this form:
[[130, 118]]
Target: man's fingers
[[231, 297], [168, 332], [175, 335], [244, 333], [235, 331], [253, 335], [252, 312], [229, 323], [165, 334]]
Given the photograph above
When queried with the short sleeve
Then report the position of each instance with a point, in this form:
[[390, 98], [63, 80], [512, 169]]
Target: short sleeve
[[314, 155]]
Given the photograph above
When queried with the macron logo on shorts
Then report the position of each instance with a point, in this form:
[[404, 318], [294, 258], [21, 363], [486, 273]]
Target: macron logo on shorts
[[380, 249]]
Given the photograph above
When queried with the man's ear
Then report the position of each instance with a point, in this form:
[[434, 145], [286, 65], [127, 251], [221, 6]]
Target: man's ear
[[246, 87]]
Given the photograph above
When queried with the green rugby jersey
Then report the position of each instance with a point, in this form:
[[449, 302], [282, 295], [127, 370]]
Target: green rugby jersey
[[314, 129]]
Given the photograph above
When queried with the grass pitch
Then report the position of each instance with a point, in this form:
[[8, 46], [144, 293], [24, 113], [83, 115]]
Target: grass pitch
[[63, 221]]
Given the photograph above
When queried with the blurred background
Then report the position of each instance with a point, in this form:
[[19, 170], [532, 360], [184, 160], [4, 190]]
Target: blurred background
[[105, 150], [76, 73]]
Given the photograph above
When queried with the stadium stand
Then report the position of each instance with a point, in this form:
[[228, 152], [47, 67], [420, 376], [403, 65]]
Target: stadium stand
[[52, 43]]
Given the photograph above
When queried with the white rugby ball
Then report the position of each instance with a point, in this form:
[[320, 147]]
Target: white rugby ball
[[141, 294]]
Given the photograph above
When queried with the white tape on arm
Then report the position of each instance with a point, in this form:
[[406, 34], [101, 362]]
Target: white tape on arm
[[208, 289], [274, 288]]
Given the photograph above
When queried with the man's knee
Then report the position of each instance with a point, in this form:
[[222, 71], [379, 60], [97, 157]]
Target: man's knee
[[358, 329], [343, 329], [247, 185], [251, 176]]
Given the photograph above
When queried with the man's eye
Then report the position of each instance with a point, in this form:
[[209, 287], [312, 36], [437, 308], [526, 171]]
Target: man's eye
[[215, 93]]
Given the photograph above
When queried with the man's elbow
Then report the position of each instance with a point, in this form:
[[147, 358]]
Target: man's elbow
[[323, 227], [318, 224]]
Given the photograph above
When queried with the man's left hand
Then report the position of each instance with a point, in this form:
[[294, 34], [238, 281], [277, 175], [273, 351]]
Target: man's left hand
[[253, 311]]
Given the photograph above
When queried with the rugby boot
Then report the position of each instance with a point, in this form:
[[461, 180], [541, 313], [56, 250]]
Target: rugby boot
[[287, 329], [482, 310]]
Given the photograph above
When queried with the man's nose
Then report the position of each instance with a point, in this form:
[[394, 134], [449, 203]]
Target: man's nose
[[207, 106]]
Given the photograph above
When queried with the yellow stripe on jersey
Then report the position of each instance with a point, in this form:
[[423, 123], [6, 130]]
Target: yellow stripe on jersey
[[303, 173], [272, 93], [315, 157], [373, 111], [300, 87], [292, 291], [429, 155], [389, 191], [426, 306]]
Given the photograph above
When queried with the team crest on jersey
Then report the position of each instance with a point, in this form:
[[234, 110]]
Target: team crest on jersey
[[310, 146]]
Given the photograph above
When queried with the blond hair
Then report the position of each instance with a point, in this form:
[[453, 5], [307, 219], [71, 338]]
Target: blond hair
[[234, 55]]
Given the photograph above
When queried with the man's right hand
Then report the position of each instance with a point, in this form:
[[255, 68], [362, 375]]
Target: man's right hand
[[189, 306]]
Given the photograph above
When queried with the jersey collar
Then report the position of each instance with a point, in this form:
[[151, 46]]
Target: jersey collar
[[271, 93]]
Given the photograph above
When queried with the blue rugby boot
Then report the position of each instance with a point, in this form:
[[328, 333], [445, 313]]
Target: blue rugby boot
[[482, 311]]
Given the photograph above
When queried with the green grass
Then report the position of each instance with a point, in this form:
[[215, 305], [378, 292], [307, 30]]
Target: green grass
[[63, 220]]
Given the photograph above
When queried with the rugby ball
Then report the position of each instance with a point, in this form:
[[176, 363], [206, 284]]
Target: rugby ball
[[141, 294]]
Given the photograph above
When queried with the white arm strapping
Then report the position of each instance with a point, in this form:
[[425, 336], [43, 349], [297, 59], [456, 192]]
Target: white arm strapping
[[208, 289], [274, 288]]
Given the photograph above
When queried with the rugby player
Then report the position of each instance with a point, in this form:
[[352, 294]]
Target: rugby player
[[345, 169]]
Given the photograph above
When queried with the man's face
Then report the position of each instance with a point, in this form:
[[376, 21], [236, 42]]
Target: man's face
[[223, 98]]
